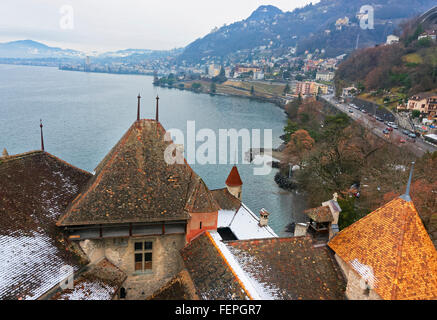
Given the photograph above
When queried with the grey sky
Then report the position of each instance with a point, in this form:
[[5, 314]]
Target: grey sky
[[119, 24]]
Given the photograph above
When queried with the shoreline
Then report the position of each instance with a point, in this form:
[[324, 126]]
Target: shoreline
[[274, 100]]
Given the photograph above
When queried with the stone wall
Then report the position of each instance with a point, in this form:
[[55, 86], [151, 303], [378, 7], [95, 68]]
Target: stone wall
[[167, 261], [235, 191], [354, 289]]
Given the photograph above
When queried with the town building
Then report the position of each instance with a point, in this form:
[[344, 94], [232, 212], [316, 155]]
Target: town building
[[426, 103], [391, 39], [430, 34], [325, 76], [349, 92], [341, 22], [308, 88], [213, 70], [246, 69]]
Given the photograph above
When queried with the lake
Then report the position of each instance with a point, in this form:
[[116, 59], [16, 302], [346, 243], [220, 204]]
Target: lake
[[85, 114]]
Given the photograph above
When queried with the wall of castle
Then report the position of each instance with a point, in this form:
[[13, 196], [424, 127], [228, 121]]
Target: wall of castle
[[166, 262], [355, 289]]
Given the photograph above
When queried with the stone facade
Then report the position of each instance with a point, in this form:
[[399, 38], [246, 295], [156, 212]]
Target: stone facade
[[166, 264], [355, 289], [235, 191]]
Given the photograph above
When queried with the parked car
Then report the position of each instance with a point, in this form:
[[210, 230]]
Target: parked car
[[406, 132], [389, 129], [363, 111], [402, 140], [351, 111], [412, 135], [385, 131]]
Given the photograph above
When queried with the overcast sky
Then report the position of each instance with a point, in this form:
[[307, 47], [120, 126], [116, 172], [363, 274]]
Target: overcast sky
[[119, 24]]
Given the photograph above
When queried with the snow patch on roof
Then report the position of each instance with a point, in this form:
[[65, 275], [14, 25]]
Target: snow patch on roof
[[88, 290], [267, 291], [365, 271], [233, 263], [28, 264], [244, 224]]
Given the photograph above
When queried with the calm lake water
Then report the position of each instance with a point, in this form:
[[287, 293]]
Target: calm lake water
[[85, 114]]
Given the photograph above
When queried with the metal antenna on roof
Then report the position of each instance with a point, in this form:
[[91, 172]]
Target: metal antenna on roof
[[406, 196], [138, 110], [157, 108], [42, 137]]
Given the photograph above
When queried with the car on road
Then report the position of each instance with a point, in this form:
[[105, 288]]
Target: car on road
[[412, 135], [402, 140], [380, 119], [390, 129], [406, 132], [363, 111], [351, 111], [385, 131]]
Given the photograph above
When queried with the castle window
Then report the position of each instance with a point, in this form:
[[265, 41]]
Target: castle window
[[143, 256], [200, 226]]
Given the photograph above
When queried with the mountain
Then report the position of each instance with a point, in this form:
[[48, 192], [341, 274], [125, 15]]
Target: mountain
[[305, 27], [403, 69], [137, 55], [29, 49]]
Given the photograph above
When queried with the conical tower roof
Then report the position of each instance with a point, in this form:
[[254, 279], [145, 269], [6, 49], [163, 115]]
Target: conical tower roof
[[234, 179]]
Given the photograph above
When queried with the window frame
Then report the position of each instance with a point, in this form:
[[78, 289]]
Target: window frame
[[143, 252]]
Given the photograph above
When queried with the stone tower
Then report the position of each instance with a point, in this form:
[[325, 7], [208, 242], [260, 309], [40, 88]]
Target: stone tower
[[234, 183], [5, 153]]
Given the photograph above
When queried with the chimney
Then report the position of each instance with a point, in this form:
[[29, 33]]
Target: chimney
[[5, 153], [264, 218], [138, 110], [300, 230], [333, 230], [157, 108], [42, 137]]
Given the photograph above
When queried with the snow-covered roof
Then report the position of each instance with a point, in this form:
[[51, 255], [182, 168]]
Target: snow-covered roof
[[35, 188], [99, 282], [244, 224], [30, 265], [310, 273]]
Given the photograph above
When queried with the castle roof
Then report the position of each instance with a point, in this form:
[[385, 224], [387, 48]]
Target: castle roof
[[391, 249], [135, 184], [213, 277], [234, 179], [274, 268], [35, 189], [100, 282], [226, 200], [320, 214], [290, 268]]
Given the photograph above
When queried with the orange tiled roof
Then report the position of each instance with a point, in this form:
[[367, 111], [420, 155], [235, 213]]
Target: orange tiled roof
[[394, 243]]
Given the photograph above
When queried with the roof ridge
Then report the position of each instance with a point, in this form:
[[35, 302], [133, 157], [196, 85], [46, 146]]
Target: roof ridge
[[228, 265], [67, 163], [399, 257], [20, 155], [35, 152], [98, 177]]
